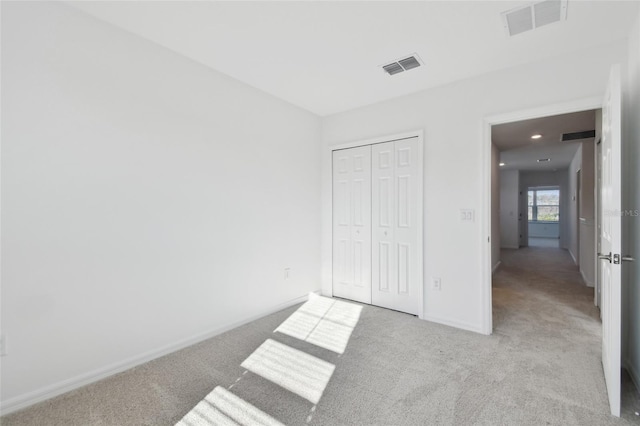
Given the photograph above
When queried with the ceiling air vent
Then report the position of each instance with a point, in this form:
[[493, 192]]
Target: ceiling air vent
[[400, 65], [393, 68], [409, 63], [535, 15], [578, 135]]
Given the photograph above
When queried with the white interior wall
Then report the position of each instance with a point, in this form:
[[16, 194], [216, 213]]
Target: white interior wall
[[587, 198], [631, 202], [573, 207], [148, 201], [509, 209], [452, 118], [586, 224], [524, 219], [543, 230], [495, 207]]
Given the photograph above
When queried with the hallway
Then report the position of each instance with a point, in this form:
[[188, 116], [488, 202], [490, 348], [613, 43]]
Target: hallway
[[542, 306], [540, 287]]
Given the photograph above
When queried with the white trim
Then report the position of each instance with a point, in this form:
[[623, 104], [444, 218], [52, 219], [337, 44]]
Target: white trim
[[543, 111], [573, 257], [486, 276], [382, 139], [420, 223], [597, 183], [55, 389], [419, 133], [495, 268], [454, 323]]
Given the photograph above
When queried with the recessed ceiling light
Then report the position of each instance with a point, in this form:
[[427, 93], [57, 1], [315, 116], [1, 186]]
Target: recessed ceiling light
[[501, 164], [536, 136], [544, 160]]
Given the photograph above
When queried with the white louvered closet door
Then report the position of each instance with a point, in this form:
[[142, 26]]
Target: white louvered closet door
[[395, 229], [352, 224]]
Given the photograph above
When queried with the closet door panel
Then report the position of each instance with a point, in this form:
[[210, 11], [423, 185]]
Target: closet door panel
[[341, 225], [352, 224], [395, 170], [376, 224], [384, 279], [407, 174]]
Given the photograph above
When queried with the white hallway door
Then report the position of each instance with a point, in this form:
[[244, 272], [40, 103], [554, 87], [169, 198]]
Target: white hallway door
[[352, 224], [377, 234], [395, 277], [610, 235]]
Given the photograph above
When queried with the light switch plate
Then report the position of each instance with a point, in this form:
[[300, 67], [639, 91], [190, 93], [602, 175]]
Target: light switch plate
[[467, 215]]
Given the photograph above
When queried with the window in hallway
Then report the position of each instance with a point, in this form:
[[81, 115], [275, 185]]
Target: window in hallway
[[544, 205], [543, 216]]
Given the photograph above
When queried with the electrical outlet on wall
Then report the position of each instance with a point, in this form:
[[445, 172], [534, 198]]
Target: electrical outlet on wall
[[287, 273], [436, 284]]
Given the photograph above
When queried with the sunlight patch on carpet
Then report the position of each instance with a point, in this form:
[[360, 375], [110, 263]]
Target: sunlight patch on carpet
[[223, 408], [324, 322], [294, 370]]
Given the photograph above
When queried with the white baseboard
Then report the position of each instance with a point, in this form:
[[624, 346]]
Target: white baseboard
[[495, 268], [64, 386], [586, 281], [454, 323], [572, 257]]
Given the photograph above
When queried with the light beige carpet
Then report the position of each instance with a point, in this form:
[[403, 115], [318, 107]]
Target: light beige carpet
[[541, 366]]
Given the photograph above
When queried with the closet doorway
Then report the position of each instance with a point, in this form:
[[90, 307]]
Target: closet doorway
[[377, 224]]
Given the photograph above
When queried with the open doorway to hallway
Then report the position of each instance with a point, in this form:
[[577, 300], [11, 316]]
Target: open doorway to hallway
[[544, 184], [545, 197], [610, 225]]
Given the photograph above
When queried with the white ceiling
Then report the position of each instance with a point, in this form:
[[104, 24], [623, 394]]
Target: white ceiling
[[325, 56], [519, 151], [526, 158]]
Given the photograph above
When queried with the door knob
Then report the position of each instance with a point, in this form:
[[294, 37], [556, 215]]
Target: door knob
[[628, 258], [605, 256]]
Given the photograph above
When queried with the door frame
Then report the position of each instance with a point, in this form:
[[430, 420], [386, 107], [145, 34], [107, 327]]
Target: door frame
[[578, 176], [598, 221], [488, 121], [327, 287]]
